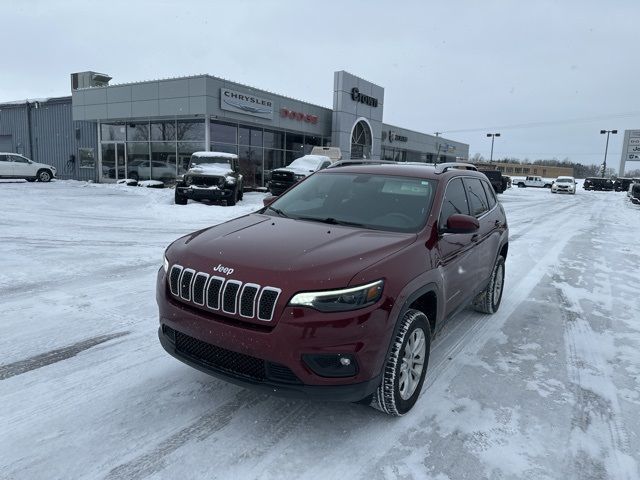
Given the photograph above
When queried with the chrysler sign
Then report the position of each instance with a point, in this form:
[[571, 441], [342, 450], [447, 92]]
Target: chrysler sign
[[245, 103]]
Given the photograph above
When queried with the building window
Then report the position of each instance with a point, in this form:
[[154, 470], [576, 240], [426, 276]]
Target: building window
[[361, 141], [190, 130], [112, 132], [224, 132], [138, 132], [273, 139], [163, 131], [86, 158]]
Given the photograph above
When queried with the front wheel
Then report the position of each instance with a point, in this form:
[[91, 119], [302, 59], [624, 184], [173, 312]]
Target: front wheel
[[44, 176], [405, 368], [488, 300], [521, 185], [180, 199]]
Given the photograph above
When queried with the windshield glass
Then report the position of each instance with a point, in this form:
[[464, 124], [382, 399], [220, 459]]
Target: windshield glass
[[379, 202], [564, 180], [195, 161]]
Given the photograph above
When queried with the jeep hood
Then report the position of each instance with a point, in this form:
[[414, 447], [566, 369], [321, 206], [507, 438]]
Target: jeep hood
[[219, 169], [293, 255], [295, 170]]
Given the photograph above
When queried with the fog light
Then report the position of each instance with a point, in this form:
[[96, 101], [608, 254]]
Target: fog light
[[331, 365]]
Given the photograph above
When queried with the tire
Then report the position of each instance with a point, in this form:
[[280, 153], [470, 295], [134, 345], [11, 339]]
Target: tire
[[396, 396], [521, 185], [44, 175], [241, 195], [180, 199], [234, 198], [488, 300]]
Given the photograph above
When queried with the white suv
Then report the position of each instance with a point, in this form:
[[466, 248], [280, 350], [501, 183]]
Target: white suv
[[13, 165]]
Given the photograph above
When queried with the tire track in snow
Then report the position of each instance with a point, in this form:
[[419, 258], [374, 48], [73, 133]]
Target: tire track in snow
[[54, 356], [154, 461]]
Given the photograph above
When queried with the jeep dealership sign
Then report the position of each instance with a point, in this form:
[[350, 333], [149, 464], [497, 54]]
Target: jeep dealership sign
[[245, 103]]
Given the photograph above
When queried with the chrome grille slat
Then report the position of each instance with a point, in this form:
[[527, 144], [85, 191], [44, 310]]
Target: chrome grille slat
[[185, 283], [198, 292], [230, 296], [213, 292], [233, 297]]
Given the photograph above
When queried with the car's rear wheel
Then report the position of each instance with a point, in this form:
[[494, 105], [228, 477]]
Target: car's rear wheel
[[488, 301], [180, 199], [44, 175], [405, 369], [234, 198]]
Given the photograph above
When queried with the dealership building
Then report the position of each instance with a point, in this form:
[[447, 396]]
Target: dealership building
[[148, 130]]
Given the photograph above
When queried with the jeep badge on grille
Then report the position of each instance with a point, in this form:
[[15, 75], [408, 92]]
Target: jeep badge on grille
[[223, 269]]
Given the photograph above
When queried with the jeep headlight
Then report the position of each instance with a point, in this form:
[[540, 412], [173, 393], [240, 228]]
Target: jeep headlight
[[165, 264], [340, 300], [188, 179], [230, 180], [300, 177]]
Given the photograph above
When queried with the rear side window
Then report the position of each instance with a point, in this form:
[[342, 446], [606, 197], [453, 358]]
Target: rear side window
[[477, 198], [455, 201], [491, 196]]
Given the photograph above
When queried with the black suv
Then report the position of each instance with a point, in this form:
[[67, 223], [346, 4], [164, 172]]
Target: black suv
[[211, 176], [598, 183]]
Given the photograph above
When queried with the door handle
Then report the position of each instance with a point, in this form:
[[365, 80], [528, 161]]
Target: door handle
[[474, 237], [497, 223]]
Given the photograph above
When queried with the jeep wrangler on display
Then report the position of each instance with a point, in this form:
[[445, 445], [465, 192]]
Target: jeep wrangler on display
[[634, 193], [283, 178], [359, 267], [533, 181], [211, 176]]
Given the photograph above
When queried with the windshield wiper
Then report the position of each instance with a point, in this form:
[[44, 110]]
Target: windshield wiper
[[278, 211], [332, 221]]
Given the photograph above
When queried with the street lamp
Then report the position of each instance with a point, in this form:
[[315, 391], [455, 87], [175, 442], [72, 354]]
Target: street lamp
[[493, 137], [604, 165]]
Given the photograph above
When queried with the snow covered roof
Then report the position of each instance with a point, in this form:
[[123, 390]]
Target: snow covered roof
[[216, 155]]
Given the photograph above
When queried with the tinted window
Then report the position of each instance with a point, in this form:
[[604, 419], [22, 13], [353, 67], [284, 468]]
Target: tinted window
[[477, 198], [455, 201], [3, 158], [18, 159], [491, 196]]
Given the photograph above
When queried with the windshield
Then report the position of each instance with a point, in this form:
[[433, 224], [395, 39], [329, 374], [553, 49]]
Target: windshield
[[379, 202], [564, 180], [210, 160]]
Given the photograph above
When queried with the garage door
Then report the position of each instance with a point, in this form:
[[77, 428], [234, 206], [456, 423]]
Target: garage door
[[6, 143]]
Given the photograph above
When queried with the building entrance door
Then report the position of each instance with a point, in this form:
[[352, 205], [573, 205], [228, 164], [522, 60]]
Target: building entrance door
[[114, 160]]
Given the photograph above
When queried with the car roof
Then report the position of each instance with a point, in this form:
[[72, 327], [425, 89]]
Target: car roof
[[427, 171]]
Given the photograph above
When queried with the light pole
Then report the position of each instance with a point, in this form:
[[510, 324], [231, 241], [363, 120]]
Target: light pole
[[493, 137], [606, 147]]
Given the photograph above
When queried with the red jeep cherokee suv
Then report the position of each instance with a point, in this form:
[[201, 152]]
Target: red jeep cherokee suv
[[335, 290]]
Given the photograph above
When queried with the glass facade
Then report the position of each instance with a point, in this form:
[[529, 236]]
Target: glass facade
[[160, 150]]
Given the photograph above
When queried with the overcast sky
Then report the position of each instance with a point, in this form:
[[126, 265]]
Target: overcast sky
[[464, 67]]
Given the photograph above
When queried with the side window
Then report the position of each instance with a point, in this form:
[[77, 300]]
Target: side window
[[324, 165], [491, 196], [477, 198], [18, 159], [455, 201], [3, 158]]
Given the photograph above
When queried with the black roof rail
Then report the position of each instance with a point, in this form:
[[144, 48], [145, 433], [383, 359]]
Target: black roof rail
[[443, 167]]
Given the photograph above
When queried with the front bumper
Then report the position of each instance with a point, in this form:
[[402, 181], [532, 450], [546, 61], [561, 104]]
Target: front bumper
[[204, 193], [363, 335]]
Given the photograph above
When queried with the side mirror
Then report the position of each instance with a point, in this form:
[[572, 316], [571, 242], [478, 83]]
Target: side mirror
[[266, 201], [459, 223]]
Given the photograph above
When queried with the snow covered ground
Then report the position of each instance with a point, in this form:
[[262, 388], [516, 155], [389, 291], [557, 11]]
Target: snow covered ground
[[549, 387]]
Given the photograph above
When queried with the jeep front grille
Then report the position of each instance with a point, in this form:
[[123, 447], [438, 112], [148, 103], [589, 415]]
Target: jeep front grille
[[249, 300], [207, 181], [283, 176]]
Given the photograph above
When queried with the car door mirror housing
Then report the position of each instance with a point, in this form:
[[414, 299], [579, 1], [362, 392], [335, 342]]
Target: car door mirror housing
[[460, 223]]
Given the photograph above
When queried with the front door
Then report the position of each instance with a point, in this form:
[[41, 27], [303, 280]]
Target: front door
[[113, 162], [22, 168]]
